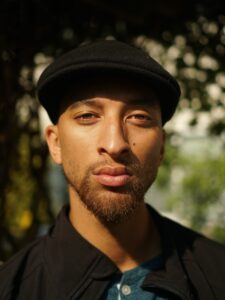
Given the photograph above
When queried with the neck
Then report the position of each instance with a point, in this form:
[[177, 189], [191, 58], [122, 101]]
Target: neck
[[127, 244]]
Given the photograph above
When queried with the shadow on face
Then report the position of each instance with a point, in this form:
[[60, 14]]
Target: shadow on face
[[111, 87]]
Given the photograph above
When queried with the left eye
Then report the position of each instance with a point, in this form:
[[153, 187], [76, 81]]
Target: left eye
[[139, 117], [142, 120]]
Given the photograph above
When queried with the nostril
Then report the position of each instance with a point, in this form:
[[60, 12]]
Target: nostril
[[115, 150]]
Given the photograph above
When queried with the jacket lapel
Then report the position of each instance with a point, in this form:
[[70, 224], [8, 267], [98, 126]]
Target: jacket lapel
[[72, 262], [172, 278]]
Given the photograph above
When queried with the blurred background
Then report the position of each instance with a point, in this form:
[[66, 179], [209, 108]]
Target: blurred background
[[187, 37]]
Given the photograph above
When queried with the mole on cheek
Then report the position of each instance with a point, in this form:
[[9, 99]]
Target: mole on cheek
[[134, 144]]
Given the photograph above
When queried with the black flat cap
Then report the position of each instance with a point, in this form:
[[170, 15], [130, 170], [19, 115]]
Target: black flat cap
[[102, 58]]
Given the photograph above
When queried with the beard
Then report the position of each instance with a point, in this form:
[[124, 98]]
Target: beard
[[111, 205]]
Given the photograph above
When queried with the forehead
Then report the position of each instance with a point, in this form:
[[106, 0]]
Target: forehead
[[123, 89]]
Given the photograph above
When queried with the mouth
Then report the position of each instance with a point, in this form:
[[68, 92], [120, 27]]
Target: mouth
[[112, 176]]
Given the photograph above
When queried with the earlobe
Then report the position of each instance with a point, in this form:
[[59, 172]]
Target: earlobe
[[52, 139], [162, 150]]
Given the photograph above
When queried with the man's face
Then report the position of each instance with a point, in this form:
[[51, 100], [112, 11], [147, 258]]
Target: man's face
[[110, 142]]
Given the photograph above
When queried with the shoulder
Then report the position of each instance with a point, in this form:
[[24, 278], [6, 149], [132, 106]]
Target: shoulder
[[184, 236], [199, 254], [195, 241], [21, 267]]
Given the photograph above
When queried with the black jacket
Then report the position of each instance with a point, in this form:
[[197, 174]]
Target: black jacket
[[64, 266]]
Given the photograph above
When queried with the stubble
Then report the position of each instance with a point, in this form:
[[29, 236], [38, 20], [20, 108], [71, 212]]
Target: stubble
[[111, 205]]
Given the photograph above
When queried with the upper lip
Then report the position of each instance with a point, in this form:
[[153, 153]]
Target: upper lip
[[113, 171]]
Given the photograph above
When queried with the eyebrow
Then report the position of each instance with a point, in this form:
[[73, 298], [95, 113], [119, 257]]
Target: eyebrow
[[136, 102], [143, 101], [84, 102]]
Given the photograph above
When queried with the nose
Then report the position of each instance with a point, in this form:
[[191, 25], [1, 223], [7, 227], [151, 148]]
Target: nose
[[113, 139]]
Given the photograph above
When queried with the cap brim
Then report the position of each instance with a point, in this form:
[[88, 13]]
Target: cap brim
[[56, 85]]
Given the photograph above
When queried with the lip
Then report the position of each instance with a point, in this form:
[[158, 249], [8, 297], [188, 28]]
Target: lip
[[112, 176], [113, 171]]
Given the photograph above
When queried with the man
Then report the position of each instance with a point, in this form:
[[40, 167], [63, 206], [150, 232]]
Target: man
[[108, 103]]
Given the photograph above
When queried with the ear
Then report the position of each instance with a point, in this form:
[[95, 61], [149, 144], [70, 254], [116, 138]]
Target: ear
[[162, 149], [52, 139]]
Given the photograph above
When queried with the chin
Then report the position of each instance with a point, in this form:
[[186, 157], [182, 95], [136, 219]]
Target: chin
[[112, 207]]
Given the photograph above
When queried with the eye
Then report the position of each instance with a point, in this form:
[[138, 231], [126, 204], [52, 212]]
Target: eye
[[139, 119], [87, 118]]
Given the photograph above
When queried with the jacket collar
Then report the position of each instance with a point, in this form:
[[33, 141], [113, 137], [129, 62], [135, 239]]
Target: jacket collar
[[71, 260], [173, 277]]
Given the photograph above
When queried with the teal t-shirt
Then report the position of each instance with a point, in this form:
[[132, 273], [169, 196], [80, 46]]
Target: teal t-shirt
[[127, 285]]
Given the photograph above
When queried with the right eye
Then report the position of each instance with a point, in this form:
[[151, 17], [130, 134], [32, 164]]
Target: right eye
[[87, 118]]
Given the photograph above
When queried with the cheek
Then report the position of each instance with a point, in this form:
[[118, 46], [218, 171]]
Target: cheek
[[148, 148], [75, 149]]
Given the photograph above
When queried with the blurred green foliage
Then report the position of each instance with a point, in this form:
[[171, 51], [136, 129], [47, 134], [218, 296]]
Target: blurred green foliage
[[195, 190]]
